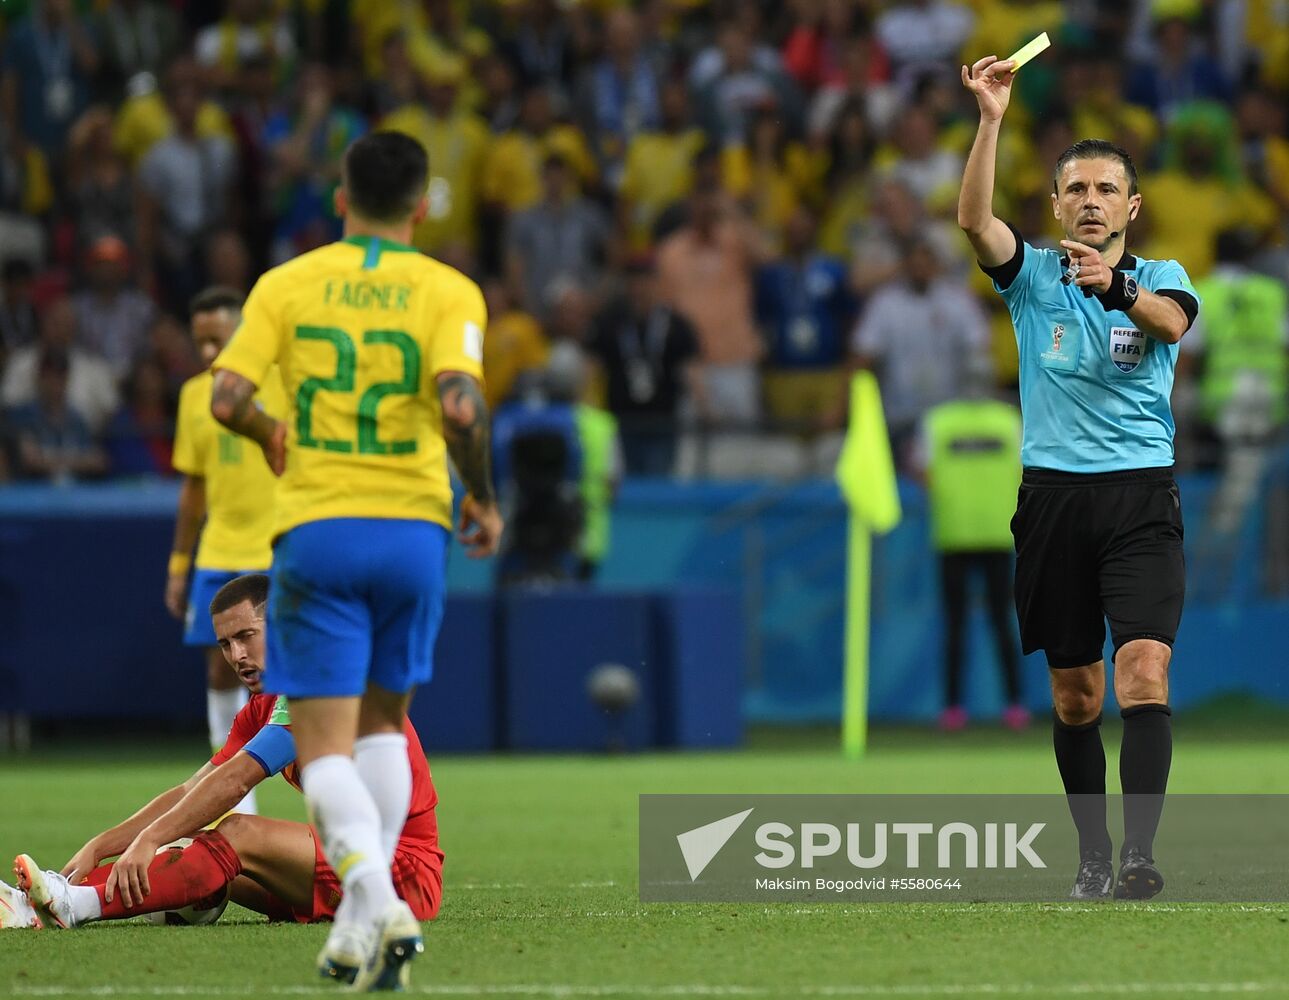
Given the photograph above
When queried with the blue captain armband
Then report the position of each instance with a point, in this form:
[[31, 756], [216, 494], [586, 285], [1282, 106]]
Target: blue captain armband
[[273, 748]]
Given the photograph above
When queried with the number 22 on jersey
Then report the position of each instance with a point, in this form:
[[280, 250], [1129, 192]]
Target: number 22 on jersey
[[365, 439]]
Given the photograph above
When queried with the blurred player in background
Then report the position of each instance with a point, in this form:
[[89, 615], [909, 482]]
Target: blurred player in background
[[381, 352], [226, 498], [1098, 524], [971, 455], [271, 866]]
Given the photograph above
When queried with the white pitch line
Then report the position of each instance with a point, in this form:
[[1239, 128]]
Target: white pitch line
[[650, 911], [529, 885], [824, 908], [845, 907], [562, 990]]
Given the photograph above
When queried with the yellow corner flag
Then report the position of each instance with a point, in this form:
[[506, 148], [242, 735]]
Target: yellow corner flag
[[866, 475]]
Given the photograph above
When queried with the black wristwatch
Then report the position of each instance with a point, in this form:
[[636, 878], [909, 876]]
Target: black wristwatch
[[1122, 293], [1130, 291]]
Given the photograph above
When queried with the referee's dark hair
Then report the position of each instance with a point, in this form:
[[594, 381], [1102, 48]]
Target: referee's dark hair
[[214, 298], [385, 175], [1096, 149], [253, 587]]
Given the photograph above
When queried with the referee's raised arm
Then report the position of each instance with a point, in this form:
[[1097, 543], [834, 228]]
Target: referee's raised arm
[[991, 81]]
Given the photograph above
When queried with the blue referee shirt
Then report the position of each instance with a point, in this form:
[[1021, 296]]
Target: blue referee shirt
[[1094, 390]]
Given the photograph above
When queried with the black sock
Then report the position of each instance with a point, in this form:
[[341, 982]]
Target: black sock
[[1144, 760], [1081, 760]]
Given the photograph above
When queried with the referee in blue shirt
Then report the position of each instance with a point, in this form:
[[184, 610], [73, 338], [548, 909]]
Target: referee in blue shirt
[[1098, 524]]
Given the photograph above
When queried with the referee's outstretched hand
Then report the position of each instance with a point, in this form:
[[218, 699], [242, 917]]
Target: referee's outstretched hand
[[1094, 274], [990, 79]]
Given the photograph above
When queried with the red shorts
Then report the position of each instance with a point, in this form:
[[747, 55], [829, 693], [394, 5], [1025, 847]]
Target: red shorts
[[419, 885]]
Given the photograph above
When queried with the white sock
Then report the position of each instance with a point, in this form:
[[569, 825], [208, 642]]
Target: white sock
[[86, 906], [221, 709], [349, 824], [382, 763]]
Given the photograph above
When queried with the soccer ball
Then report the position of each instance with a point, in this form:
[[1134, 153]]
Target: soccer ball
[[205, 911], [613, 688]]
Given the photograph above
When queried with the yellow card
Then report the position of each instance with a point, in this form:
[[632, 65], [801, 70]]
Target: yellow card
[[1029, 50]]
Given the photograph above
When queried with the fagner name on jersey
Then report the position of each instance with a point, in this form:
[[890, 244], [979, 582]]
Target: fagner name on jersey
[[367, 295]]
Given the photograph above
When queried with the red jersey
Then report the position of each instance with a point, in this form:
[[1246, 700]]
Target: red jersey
[[420, 836]]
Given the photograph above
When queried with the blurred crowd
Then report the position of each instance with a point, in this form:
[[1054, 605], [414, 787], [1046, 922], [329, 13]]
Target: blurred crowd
[[721, 207]]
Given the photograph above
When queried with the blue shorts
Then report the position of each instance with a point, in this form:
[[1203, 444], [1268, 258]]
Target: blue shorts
[[198, 631], [354, 601]]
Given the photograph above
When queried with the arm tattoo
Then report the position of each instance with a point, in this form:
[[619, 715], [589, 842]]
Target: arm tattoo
[[466, 431], [232, 405]]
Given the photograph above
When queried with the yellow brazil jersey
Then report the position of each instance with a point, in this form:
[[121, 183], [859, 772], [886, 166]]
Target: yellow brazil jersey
[[514, 344], [360, 330], [144, 121], [512, 169], [376, 20], [239, 484], [1192, 235], [768, 187], [659, 172]]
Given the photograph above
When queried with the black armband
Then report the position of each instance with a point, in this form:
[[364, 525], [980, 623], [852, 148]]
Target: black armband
[[1184, 299], [1005, 273], [1122, 293]]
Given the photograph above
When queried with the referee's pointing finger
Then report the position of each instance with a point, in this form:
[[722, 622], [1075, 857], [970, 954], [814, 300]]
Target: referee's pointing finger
[[980, 64], [1078, 249]]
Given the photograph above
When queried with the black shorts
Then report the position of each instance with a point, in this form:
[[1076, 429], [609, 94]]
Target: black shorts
[[1096, 547]]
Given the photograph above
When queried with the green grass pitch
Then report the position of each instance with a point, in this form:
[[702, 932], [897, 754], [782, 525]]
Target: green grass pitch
[[540, 897]]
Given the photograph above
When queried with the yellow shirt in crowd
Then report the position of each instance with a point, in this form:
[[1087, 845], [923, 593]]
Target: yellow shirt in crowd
[[144, 121], [658, 173], [1211, 206], [515, 344], [512, 175], [456, 147], [774, 190]]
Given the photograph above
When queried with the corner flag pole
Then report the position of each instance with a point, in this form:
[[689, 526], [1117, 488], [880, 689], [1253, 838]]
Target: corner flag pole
[[854, 712], [866, 476]]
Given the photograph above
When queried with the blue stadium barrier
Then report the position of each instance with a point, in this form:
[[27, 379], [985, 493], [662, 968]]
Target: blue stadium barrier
[[702, 672], [781, 547], [457, 710], [82, 571], [553, 641]]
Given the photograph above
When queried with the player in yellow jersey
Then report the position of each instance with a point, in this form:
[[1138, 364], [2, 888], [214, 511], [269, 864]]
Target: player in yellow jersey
[[228, 486], [380, 350]]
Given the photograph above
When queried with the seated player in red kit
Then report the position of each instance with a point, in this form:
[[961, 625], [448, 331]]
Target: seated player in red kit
[[272, 866]]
